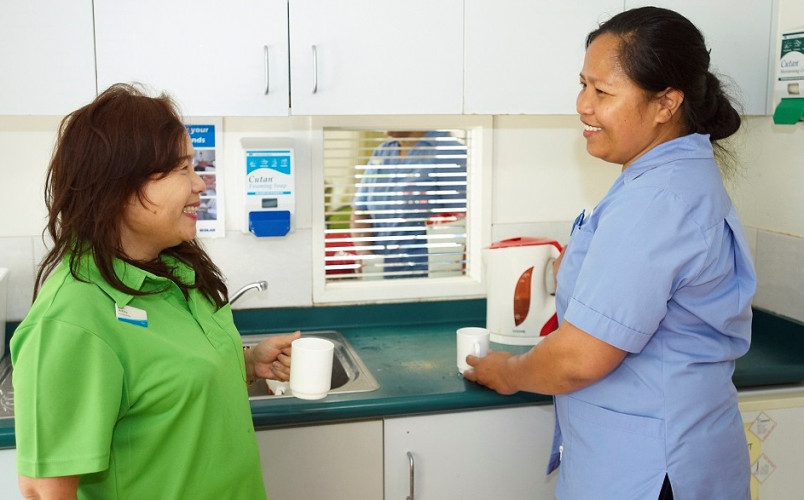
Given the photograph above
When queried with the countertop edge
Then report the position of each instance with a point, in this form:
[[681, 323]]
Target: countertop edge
[[773, 359]]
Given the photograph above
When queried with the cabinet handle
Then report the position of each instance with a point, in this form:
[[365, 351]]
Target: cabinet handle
[[267, 69], [412, 467], [315, 69]]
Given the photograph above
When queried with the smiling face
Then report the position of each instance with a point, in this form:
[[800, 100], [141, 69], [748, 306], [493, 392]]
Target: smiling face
[[164, 215], [621, 120]]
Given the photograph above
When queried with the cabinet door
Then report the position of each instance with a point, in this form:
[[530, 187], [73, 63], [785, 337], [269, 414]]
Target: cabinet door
[[738, 33], [471, 455], [9, 487], [376, 57], [335, 461], [215, 58], [524, 56], [772, 421], [47, 60]]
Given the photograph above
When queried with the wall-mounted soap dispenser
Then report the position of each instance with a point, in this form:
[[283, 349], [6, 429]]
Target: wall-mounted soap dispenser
[[789, 86], [270, 202]]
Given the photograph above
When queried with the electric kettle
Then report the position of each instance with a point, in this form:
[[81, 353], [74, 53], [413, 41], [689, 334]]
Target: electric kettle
[[520, 305]]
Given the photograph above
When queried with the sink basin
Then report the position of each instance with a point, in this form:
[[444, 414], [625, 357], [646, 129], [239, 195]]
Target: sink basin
[[349, 374]]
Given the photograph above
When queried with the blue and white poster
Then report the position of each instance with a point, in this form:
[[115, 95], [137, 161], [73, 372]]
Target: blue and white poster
[[206, 138]]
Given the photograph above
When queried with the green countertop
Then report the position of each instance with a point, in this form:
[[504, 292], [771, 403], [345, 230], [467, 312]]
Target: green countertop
[[410, 350], [416, 369]]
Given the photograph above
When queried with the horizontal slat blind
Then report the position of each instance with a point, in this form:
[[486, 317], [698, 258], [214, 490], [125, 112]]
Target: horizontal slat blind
[[395, 203]]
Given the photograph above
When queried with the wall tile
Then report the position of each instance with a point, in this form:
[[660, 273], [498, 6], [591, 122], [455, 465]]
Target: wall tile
[[780, 274], [16, 254], [283, 262]]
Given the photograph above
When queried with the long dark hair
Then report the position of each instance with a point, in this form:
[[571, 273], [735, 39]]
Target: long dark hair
[[105, 153], [661, 48]]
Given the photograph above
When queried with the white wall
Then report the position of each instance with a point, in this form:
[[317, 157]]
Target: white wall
[[542, 177]]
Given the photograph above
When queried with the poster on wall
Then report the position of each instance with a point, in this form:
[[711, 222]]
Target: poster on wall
[[207, 143]]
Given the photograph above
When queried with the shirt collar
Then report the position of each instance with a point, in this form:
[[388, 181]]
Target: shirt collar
[[131, 276], [692, 146]]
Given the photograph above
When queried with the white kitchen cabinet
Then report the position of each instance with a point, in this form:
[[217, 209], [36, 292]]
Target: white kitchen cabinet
[[738, 32], [500, 453], [524, 56], [9, 487], [773, 420], [216, 58], [376, 57], [47, 63], [333, 461]]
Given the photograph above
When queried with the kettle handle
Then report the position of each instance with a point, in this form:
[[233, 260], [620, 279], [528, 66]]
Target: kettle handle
[[550, 276]]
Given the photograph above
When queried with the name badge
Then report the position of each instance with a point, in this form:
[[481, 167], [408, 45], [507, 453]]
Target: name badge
[[131, 315]]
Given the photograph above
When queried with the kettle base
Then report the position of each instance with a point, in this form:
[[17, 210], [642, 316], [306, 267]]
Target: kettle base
[[514, 340]]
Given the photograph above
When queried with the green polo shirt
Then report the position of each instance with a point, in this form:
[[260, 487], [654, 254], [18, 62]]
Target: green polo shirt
[[146, 402]]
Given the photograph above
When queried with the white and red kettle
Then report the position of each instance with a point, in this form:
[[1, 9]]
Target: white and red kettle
[[520, 306]]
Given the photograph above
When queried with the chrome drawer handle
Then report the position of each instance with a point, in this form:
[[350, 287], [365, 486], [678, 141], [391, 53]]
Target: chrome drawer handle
[[267, 69], [412, 468], [315, 69]]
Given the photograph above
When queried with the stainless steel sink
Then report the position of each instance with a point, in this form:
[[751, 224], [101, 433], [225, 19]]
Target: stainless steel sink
[[349, 374]]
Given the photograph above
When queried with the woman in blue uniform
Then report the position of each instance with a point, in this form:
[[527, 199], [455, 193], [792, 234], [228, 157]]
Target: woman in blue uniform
[[655, 285]]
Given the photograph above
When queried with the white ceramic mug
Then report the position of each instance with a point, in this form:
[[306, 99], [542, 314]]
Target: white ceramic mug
[[471, 340], [311, 367]]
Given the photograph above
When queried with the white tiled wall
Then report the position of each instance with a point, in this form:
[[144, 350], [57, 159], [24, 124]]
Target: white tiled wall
[[542, 177], [780, 274]]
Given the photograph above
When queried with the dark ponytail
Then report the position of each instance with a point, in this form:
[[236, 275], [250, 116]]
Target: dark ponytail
[[660, 49]]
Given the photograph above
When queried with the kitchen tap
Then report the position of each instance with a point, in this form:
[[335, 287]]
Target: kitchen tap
[[259, 285]]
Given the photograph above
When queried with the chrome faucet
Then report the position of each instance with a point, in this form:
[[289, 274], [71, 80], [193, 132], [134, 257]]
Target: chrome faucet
[[259, 285]]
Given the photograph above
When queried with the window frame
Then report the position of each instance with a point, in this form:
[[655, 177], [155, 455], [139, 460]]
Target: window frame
[[472, 284]]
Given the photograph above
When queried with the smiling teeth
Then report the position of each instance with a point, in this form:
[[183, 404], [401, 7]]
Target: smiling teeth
[[591, 128], [190, 210]]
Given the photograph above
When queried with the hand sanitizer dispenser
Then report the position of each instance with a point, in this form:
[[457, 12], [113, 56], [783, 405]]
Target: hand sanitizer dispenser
[[269, 184], [789, 88]]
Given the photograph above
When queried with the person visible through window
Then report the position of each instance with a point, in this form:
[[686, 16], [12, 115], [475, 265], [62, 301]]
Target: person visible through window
[[411, 178]]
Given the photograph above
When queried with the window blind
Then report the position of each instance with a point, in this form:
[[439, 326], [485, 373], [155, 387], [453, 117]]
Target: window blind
[[395, 203]]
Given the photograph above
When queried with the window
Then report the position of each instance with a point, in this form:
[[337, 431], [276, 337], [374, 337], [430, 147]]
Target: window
[[399, 210], [395, 204]]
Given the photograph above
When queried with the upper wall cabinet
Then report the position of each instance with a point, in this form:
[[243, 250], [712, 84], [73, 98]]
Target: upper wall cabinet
[[216, 58], [47, 64], [376, 57], [738, 32], [524, 56]]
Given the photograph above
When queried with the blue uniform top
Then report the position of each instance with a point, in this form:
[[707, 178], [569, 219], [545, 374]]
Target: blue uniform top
[[403, 192], [662, 270]]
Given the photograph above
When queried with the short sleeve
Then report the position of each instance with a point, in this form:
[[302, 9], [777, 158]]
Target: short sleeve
[[68, 391], [643, 246]]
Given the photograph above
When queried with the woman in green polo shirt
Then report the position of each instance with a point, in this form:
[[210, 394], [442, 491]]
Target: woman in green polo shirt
[[129, 374]]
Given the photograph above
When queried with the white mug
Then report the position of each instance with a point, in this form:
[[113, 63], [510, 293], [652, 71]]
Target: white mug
[[311, 367], [471, 340]]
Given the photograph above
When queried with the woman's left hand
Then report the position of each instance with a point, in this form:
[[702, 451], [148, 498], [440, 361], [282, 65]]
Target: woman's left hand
[[271, 357]]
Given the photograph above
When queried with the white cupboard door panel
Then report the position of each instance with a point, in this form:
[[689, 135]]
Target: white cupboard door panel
[[474, 455], [376, 57], [340, 461], [9, 487], [47, 59], [738, 33], [211, 56], [524, 56]]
